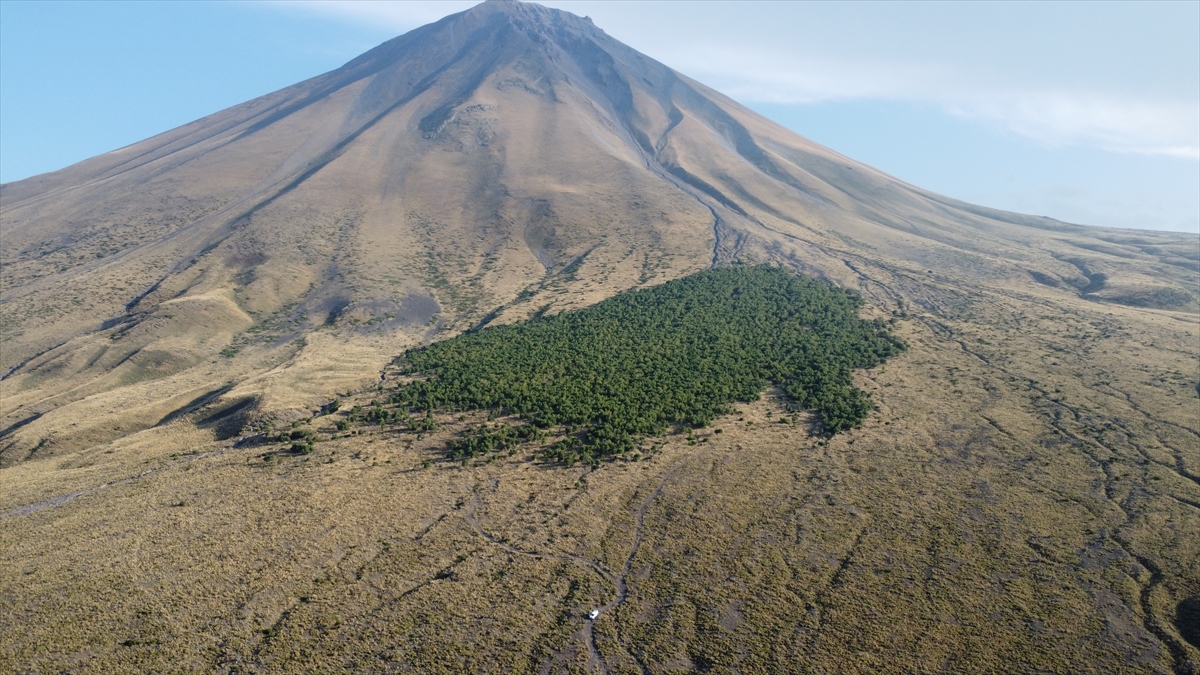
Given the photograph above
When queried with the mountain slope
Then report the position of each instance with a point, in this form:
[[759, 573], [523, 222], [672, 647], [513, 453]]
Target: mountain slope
[[514, 160], [446, 173]]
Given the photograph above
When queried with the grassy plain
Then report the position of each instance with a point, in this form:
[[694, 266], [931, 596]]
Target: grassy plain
[[1024, 499]]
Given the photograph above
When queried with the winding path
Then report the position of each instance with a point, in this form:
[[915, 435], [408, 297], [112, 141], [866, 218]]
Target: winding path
[[53, 502], [587, 633]]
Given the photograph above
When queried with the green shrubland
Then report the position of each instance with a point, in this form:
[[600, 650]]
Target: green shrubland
[[649, 361]]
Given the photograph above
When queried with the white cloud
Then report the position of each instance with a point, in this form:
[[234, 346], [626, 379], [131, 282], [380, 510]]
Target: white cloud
[[773, 77], [400, 16], [1070, 118], [1030, 76], [1052, 116]]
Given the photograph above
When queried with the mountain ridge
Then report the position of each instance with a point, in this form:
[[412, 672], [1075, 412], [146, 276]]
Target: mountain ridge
[[548, 138], [1019, 496], [558, 52]]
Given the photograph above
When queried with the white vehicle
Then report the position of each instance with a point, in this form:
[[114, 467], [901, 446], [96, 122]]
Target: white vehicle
[[595, 613]]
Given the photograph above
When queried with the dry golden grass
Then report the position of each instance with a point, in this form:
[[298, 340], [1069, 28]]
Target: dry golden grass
[[1026, 498], [1008, 508]]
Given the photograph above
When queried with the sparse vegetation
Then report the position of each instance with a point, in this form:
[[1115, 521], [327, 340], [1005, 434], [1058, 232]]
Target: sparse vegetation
[[1024, 497]]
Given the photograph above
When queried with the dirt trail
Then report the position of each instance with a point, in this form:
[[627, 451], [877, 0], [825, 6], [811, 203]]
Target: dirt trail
[[59, 500], [587, 633], [469, 516], [622, 588]]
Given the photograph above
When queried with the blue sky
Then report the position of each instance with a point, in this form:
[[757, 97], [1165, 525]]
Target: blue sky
[[1086, 112]]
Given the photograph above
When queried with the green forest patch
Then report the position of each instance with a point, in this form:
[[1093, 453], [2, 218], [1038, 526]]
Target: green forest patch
[[649, 361]]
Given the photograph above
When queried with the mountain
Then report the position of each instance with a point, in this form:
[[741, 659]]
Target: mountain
[[1031, 479]]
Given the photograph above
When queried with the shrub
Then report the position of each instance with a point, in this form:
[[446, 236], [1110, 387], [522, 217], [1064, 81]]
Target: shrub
[[638, 364]]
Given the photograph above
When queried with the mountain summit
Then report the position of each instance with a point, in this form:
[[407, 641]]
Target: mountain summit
[[201, 469], [507, 160]]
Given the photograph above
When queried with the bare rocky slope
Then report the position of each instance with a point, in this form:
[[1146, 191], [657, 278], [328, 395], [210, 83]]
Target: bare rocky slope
[[1027, 498]]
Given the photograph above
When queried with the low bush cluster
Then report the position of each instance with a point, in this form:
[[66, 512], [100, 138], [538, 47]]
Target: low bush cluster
[[646, 361]]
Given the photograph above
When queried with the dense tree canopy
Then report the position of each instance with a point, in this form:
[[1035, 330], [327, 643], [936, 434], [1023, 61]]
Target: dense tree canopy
[[640, 363]]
